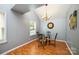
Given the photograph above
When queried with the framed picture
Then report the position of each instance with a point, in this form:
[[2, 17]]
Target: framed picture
[[50, 25], [73, 20]]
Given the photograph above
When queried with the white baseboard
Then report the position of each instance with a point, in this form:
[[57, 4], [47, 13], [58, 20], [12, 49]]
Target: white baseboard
[[31, 41], [17, 47], [61, 40], [69, 48]]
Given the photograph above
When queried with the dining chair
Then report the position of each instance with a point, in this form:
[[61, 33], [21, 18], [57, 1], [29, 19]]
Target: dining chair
[[55, 39], [37, 34], [41, 40], [49, 36]]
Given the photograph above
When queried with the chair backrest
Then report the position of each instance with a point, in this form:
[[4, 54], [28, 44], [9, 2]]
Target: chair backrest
[[49, 34], [37, 33], [40, 36], [56, 36]]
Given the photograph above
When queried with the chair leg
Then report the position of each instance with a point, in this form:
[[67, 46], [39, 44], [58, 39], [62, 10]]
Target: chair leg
[[49, 42], [54, 43], [41, 45]]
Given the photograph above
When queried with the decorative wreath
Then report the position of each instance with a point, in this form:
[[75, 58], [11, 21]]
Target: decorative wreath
[[50, 25]]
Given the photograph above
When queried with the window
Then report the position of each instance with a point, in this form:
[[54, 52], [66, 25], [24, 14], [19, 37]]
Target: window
[[2, 27], [32, 28]]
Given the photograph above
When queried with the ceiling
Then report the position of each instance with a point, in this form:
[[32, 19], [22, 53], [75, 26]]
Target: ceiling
[[24, 8], [54, 10]]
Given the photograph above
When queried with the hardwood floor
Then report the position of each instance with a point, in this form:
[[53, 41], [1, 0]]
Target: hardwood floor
[[33, 49]]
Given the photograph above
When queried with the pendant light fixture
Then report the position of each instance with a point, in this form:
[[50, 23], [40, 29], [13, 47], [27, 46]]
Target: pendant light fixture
[[45, 17]]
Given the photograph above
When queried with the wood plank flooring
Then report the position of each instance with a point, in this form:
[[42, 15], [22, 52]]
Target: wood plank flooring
[[33, 49]]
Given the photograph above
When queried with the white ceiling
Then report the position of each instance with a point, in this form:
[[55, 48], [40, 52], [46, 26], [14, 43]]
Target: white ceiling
[[54, 10], [23, 8]]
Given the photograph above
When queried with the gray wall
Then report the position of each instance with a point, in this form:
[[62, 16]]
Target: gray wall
[[32, 16], [17, 28], [73, 35], [59, 27]]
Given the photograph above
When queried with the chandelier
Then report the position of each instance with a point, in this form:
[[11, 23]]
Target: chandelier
[[45, 17]]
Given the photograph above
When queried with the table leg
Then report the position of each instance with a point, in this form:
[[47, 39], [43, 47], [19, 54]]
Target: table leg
[[49, 42]]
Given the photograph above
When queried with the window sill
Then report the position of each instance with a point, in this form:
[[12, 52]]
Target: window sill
[[3, 41]]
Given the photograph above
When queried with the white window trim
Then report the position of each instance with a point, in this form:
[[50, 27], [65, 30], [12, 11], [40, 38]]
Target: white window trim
[[5, 31], [35, 30]]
